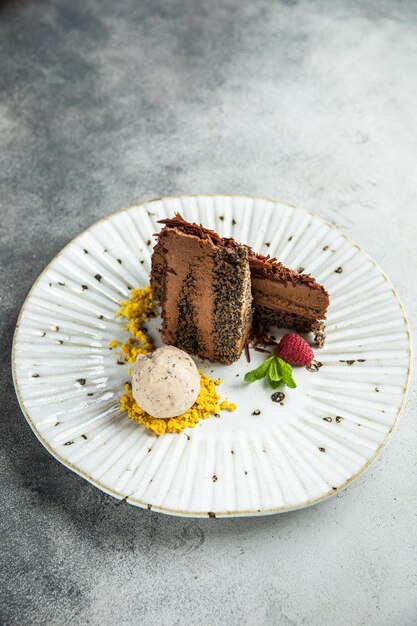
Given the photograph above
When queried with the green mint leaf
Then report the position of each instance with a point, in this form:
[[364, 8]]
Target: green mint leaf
[[285, 370], [274, 382], [274, 372], [259, 372]]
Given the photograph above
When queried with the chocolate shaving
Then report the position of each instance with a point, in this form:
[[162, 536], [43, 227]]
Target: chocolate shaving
[[270, 267], [261, 341], [258, 349], [197, 230]]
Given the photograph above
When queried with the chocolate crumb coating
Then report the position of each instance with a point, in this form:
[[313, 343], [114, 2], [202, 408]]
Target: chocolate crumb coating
[[188, 335], [232, 311]]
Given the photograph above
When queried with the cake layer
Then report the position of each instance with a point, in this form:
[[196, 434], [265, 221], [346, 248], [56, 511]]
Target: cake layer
[[267, 318], [280, 290], [203, 285], [299, 299]]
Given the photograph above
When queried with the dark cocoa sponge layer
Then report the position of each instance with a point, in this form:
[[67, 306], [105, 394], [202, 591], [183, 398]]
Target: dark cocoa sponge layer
[[265, 318]]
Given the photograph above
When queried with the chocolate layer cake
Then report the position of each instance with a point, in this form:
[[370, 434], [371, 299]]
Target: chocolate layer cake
[[287, 299], [203, 285]]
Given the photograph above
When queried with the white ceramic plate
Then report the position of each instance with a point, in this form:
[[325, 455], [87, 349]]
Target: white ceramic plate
[[326, 432]]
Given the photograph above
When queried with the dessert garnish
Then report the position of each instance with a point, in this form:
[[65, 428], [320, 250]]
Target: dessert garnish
[[294, 350], [291, 350], [277, 371], [139, 308], [166, 382]]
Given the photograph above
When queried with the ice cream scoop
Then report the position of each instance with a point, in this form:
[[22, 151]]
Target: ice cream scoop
[[166, 382]]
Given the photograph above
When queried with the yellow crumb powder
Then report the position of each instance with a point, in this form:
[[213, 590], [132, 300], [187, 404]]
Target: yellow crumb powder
[[207, 404], [114, 343], [139, 306], [228, 406], [137, 309]]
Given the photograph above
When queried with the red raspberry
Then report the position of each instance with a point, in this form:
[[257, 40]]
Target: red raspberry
[[294, 350]]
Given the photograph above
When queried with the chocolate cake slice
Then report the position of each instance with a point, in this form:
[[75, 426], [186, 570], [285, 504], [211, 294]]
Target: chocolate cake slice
[[203, 285], [285, 298]]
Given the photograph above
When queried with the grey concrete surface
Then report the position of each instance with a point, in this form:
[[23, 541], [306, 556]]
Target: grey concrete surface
[[105, 103]]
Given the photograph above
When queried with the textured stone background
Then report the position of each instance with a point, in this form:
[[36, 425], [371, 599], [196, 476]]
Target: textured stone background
[[105, 103]]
